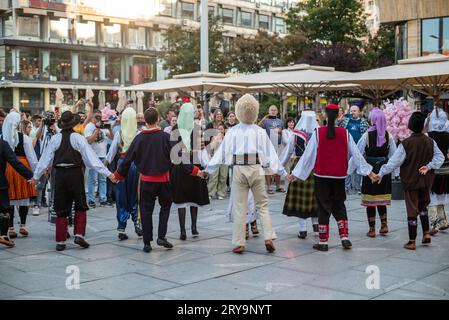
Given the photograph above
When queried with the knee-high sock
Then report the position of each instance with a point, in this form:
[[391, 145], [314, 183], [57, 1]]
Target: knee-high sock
[[23, 213], [315, 220], [324, 233], [194, 216], [343, 229], [382, 210], [182, 219], [371, 214], [80, 223], [61, 229], [4, 224], [424, 221], [412, 228], [11, 216], [302, 225]]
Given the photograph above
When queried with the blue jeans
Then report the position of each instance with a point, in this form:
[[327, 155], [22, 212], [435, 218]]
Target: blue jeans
[[354, 181], [92, 179]]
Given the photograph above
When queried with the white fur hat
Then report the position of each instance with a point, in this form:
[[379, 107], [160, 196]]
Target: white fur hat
[[247, 109]]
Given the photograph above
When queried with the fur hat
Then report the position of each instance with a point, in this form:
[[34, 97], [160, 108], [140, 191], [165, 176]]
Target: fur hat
[[247, 109]]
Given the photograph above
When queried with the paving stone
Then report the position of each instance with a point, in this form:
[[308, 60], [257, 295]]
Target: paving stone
[[306, 292]]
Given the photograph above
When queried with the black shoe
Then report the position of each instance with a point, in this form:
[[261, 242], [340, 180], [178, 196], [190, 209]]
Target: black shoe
[[92, 205], [81, 242], [321, 247], [147, 248], [183, 236], [346, 244], [60, 247], [164, 243], [122, 236], [138, 230], [302, 235], [316, 228], [195, 232]]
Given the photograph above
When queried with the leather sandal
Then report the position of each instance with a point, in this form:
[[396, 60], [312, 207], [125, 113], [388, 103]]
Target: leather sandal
[[239, 249]]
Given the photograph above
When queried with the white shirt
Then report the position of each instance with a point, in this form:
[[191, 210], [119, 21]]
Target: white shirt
[[399, 157], [286, 134], [362, 145], [79, 143], [100, 146], [246, 139], [307, 161], [29, 152]]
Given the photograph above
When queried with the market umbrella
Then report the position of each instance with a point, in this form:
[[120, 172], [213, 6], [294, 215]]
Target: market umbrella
[[89, 93], [428, 75], [101, 99], [122, 101], [59, 99]]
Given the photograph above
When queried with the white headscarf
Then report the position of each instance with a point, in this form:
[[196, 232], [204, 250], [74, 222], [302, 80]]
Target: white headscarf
[[438, 123], [306, 125], [10, 129], [186, 123], [128, 127]]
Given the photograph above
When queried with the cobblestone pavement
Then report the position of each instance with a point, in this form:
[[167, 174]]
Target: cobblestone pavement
[[205, 268]]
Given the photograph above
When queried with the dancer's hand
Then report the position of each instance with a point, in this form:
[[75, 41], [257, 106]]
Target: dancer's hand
[[290, 178], [202, 174], [423, 170], [113, 178], [33, 181]]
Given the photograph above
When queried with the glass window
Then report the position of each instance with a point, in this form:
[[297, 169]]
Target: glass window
[[112, 34], [60, 65], [28, 26], [246, 19], [187, 10], [7, 26], [59, 29], [280, 25], [446, 36], [264, 22], [166, 7], [89, 67], [113, 68], [401, 41], [31, 100], [228, 16], [29, 64], [143, 70], [68, 96], [430, 36], [137, 37], [86, 32], [6, 99]]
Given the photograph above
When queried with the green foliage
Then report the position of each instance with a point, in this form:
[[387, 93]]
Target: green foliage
[[328, 21], [267, 101], [182, 51], [163, 107], [379, 50]]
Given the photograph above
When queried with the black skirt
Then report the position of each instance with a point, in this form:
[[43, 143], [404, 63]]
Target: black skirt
[[187, 188], [374, 194]]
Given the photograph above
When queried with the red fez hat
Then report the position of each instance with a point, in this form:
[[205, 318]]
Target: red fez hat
[[185, 99], [332, 107]]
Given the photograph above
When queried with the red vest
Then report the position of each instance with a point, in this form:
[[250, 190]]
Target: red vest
[[332, 155]]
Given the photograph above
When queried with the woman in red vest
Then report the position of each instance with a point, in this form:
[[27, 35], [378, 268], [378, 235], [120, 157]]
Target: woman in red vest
[[327, 154]]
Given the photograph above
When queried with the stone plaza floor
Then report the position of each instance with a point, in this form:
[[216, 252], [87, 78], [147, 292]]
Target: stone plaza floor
[[204, 268]]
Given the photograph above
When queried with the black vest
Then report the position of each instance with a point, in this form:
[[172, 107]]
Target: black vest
[[20, 150], [372, 150], [66, 154]]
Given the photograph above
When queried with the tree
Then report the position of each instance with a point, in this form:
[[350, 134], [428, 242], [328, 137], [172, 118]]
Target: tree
[[379, 49], [181, 53], [328, 22], [343, 57]]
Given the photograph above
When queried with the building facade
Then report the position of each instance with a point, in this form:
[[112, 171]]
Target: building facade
[[104, 44], [422, 26]]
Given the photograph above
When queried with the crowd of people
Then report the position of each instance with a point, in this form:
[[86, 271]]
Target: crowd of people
[[184, 161]]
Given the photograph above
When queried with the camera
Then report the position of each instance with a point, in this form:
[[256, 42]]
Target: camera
[[105, 125]]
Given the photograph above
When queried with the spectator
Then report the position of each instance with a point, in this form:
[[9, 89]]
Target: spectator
[[2, 118], [288, 131], [166, 122], [356, 127], [232, 120], [173, 122], [96, 137], [341, 117], [85, 120], [217, 120], [273, 126], [217, 182], [199, 117]]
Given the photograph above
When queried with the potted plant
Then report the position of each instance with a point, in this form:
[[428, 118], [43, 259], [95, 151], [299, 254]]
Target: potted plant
[[53, 72]]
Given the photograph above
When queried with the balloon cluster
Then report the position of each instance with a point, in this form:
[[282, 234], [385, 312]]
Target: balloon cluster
[[397, 114]]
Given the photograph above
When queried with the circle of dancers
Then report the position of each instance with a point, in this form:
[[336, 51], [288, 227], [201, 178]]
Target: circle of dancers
[[172, 167]]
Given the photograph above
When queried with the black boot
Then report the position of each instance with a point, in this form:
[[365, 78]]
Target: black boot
[[147, 247], [164, 243], [182, 223], [122, 236], [346, 244], [302, 234], [138, 230], [81, 242], [194, 216], [321, 247], [60, 247]]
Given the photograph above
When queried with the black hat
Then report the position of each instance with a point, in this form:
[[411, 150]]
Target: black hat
[[68, 120], [416, 122]]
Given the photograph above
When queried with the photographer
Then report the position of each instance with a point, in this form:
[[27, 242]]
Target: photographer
[[85, 119], [96, 132]]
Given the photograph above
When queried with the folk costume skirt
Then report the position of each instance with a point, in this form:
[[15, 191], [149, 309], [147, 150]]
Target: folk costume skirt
[[374, 194], [18, 187]]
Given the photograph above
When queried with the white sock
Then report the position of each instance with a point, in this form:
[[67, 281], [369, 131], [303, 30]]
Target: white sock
[[302, 224], [314, 220]]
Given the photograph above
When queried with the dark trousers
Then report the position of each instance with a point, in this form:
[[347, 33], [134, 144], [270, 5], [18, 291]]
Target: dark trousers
[[23, 213], [149, 191], [4, 212], [416, 201]]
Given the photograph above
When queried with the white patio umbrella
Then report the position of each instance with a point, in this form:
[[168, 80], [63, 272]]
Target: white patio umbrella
[[140, 96], [428, 75], [101, 99], [122, 101], [59, 98], [89, 93]]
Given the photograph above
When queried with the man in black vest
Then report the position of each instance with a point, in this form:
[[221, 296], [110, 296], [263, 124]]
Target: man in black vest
[[69, 152], [8, 156]]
